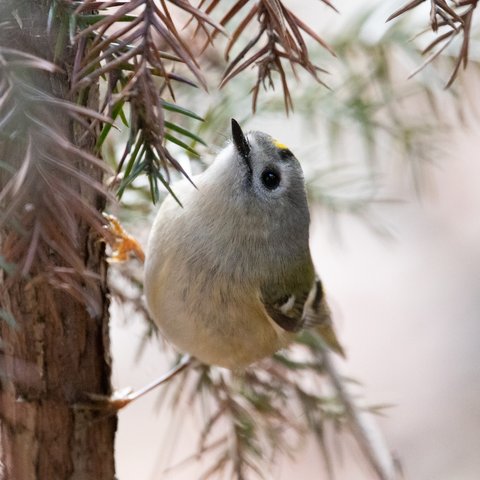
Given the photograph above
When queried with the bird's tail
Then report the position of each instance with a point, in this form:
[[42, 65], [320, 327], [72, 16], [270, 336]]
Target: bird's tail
[[327, 332]]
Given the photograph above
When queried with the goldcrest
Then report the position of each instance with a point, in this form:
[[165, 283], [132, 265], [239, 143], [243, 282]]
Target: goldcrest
[[229, 277]]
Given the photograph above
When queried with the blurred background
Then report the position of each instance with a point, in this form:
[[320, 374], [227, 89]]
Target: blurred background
[[392, 168]]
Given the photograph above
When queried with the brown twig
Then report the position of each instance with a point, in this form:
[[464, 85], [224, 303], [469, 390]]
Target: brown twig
[[281, 32], [454, 15]]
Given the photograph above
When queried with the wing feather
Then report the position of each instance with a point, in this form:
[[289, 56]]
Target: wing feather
[[305, 309]]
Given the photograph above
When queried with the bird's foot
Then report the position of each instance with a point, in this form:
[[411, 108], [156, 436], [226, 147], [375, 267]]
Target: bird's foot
[[109, 404], [120, 399], [123, 244]]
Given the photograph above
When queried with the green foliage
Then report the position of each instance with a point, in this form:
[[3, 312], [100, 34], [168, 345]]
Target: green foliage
[[138, 53], [249, 418], [141, 78]]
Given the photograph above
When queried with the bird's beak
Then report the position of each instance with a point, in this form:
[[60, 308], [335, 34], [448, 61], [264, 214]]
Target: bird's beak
[[241, 143]]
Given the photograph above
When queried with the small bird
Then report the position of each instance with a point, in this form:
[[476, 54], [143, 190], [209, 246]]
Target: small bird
[[229, 278]]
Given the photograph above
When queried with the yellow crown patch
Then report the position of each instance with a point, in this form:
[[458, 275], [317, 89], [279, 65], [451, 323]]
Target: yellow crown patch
[[280, 145]]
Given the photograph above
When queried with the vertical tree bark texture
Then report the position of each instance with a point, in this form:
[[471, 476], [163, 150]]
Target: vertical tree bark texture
[[56, 354], [59, 349]]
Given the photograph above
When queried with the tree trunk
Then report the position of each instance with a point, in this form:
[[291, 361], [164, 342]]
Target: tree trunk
[[58, 350], [57, 353]]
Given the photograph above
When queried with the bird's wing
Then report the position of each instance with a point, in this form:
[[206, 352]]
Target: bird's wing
[[317, 316], [306, 308], [287, 311]]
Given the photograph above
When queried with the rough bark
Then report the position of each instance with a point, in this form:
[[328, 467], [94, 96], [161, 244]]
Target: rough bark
[[56, 354], [59, 350]]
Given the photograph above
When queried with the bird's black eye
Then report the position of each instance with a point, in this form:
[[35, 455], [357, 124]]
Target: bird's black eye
[[270, 179]]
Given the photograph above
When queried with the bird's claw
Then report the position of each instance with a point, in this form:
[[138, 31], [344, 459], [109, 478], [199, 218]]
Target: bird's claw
[[105, 403], [123, 244]]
